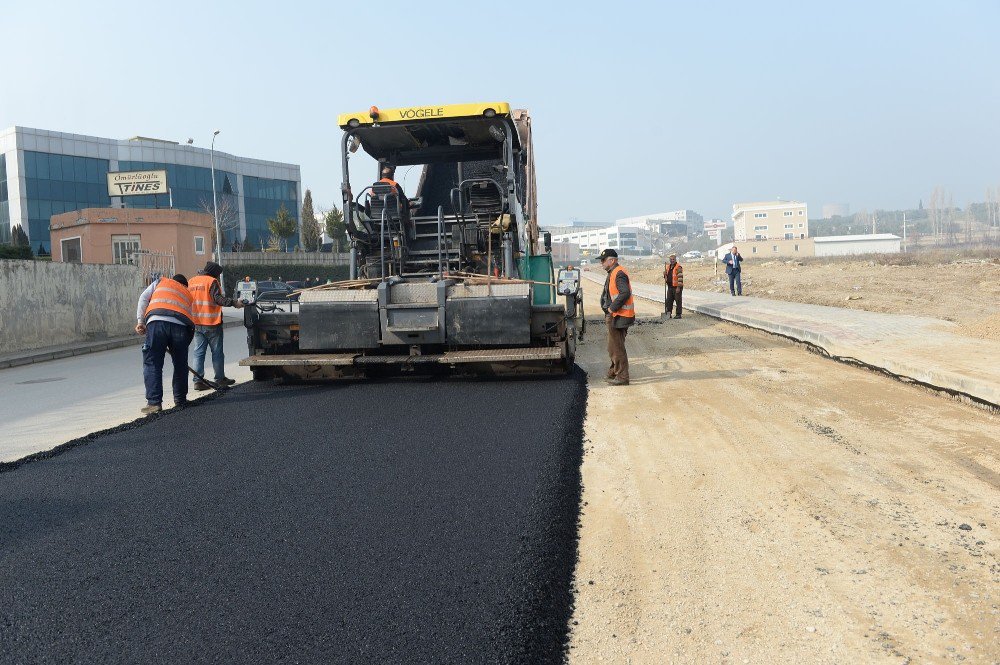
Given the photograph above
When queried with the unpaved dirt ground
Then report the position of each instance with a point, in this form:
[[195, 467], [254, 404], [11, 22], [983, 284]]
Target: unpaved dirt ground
[[967, 293], [746, 501]]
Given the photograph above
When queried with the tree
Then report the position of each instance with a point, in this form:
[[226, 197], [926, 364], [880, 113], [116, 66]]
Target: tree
[[310, 227], [229, 217], [336, 228], [18, 237], [282, 225]]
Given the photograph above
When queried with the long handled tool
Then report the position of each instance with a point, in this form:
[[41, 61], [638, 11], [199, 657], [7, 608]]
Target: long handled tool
[[210, 384]]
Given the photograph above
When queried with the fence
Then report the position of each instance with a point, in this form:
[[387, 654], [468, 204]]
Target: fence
[[285, 258]]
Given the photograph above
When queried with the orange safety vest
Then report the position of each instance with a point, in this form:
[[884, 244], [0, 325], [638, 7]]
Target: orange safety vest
[[676, 276], [204, 310], [628, 309], [392, 183], [172, 296]]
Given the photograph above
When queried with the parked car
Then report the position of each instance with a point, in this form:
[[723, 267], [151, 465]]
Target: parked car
[[693, 254], [273, 291]]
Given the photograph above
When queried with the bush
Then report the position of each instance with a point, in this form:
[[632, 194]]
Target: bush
[[261, 271], [16, 252]]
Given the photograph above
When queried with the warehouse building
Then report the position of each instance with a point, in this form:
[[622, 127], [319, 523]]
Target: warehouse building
[[626, 240], [45, 173], [878, 243]]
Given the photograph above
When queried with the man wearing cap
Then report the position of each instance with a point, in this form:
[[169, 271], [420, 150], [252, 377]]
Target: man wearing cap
[[619, 314], [208, 301], [673, 276], [164, 317]]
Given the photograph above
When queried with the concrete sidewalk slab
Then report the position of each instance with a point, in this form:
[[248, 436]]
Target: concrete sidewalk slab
[[231, 317], [914, 348]]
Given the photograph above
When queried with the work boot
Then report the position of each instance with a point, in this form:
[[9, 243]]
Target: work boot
[[225, 381], [618, 382], [150, 409], [201, 385]]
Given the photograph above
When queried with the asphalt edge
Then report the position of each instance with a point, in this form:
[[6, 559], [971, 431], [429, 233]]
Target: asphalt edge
[[6, 467]]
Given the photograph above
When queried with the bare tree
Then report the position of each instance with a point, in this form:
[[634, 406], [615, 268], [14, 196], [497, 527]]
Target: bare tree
[[229, 218]]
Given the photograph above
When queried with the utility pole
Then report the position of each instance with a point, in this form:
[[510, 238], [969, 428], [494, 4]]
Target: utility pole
[[215, 213], [904, 232]]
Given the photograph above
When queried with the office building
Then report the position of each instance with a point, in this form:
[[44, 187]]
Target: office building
[[770, 220], [45, 173]]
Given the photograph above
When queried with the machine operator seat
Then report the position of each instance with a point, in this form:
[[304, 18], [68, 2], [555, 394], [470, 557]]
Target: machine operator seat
[[384, 196]]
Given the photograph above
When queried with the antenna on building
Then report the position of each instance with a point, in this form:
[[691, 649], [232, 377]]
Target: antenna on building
[[190, 141]]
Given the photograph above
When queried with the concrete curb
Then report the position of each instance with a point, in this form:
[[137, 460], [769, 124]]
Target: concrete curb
[[908, 363], [55, 353]]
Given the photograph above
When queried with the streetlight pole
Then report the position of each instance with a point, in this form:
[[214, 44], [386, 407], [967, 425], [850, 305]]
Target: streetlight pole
[[215, 213]]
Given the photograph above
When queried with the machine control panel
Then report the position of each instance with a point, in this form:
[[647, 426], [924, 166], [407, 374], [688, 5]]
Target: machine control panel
[[568, 283], [246, 292]]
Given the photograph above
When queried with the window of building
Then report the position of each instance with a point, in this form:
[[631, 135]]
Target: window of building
[[760, 215], [801, 225], [774, 248], [199, 244], [788, 226], [789, 236], [801, 213], [753, 250], [122, 248], [802, 236], [760, 236], [71, 250], [788, 213], [796, 247], [760, 228]]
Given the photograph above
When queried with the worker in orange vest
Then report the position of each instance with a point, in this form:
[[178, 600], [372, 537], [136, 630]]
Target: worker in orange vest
[[673, 276], [208, 332], [164, 316], [619, 314]]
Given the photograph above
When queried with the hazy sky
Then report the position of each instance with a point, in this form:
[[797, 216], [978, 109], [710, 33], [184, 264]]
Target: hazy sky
[[637, 107]]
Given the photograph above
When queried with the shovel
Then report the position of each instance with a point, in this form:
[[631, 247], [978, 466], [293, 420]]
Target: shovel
[[211, 384]]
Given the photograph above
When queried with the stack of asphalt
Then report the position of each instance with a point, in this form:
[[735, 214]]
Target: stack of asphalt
[[423, 521]]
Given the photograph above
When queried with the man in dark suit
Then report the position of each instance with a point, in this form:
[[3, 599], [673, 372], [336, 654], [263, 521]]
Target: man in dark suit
[[733, 261]]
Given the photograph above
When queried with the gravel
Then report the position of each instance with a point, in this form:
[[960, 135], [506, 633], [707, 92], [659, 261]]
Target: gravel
[[410, 521]]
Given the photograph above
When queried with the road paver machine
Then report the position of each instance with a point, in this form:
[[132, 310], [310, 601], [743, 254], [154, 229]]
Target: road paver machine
[[449, 277]]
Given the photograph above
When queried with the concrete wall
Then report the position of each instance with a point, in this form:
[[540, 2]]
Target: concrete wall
[[46, 304]]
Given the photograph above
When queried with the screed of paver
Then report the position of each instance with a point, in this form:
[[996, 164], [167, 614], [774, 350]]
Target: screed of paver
[[748, 501], [410, 521]]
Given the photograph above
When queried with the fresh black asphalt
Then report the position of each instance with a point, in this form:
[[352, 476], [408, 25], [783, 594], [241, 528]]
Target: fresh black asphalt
[[413, 521]]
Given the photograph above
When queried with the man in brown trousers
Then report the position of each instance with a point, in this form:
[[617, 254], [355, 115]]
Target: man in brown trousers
[[619, 313]]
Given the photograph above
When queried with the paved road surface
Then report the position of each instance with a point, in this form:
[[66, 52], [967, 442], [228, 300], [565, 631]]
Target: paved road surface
[[377, 522], [49, 403]]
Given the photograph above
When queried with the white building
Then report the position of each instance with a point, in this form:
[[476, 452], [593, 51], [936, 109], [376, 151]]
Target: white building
[[770, 220], [657, 221], [624, 239], [872, 243]]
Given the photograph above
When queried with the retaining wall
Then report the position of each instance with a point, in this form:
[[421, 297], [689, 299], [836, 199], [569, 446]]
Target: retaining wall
[[48, 304]]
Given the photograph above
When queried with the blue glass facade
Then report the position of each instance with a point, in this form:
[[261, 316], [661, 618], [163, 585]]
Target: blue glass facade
[[4, 202], [56, 184], [262, 198]]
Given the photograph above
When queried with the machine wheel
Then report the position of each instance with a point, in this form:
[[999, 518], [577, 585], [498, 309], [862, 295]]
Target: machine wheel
[[260, 374]]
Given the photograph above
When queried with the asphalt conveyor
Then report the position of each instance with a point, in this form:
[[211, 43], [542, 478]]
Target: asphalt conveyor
[[405, 521]]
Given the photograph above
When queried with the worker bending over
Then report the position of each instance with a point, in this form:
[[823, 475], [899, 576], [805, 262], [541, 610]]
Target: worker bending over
[[164, 316], [619, 314]]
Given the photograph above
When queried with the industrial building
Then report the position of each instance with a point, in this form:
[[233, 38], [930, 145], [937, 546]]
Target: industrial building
[[627, 240], [667, 223], [45, 173], [878, 243], [770, 220]]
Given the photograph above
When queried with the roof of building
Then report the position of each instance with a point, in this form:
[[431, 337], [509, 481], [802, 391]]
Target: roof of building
[[856, 238]]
